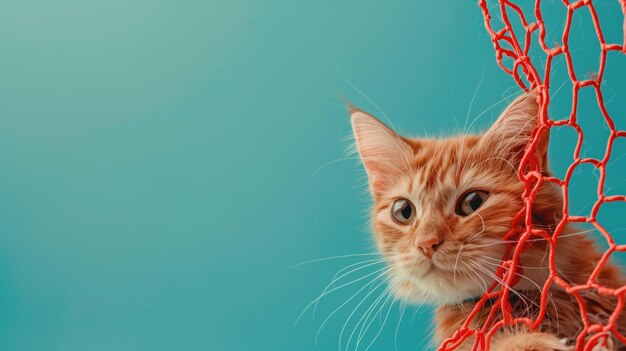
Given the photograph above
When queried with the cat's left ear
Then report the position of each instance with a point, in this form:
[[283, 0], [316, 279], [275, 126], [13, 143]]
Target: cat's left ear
[[384, 153], [512, 132]]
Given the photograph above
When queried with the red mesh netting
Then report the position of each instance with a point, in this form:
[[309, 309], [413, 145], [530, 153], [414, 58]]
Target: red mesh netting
[[514, 48]]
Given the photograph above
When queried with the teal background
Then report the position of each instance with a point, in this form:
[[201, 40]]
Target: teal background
[[165, 163]]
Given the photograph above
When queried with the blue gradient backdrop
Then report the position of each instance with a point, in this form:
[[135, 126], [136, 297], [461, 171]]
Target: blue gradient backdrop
[[164, 163]]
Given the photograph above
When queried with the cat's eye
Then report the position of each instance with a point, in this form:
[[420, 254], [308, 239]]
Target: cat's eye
[[402, 211], [470, 202]]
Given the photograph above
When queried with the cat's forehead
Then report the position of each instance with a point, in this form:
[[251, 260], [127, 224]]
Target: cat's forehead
[[434, 158], [438, 167], [442, 146]]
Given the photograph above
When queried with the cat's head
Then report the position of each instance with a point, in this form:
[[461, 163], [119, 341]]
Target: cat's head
[[442, 206]]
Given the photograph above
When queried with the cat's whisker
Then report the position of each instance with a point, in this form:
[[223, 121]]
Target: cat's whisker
[[419, 308], [429, 341], [350, 299], [355, 309], [502, 242], [395, 338], [470, 273], [382, 326], [503, 283], [456, 263], [493, 263], [332, 258], [341, 271], [540, 288], [366, 317], [481, 231], [384, 270], [337, 278], [363, 321], [490, 275]]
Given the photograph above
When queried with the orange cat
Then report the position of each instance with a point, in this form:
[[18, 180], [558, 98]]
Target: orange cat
[[441, 208]]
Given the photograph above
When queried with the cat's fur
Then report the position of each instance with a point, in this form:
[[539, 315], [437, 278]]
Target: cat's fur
[[433, 174]]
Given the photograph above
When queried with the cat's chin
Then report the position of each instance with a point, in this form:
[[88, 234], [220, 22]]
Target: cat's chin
[[436, 287], [435, 296], [431, 281]]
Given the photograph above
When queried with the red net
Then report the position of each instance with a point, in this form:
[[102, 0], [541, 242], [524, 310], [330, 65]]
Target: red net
[[513, 48]]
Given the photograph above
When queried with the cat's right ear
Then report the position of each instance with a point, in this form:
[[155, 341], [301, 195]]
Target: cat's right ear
[[513, 132], [383, 152]]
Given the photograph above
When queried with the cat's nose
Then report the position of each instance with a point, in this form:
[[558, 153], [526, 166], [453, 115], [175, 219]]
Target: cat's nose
[[429, 245]]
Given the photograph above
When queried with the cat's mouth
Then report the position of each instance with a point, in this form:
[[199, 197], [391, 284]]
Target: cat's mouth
[[421, 267], [442, 267], [433, 283]]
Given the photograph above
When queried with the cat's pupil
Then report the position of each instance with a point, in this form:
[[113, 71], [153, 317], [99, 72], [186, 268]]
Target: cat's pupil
[[406, 211], [470, 202], [475, 201]]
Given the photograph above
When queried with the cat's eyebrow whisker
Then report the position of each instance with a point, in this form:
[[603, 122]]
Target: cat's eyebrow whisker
[[388, 163], [331, 162], [389, 122], [506, 98], [495, 158], [474, 147], [469, 109]]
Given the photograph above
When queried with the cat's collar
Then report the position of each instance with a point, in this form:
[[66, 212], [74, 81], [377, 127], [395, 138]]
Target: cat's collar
[[473, 300]]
